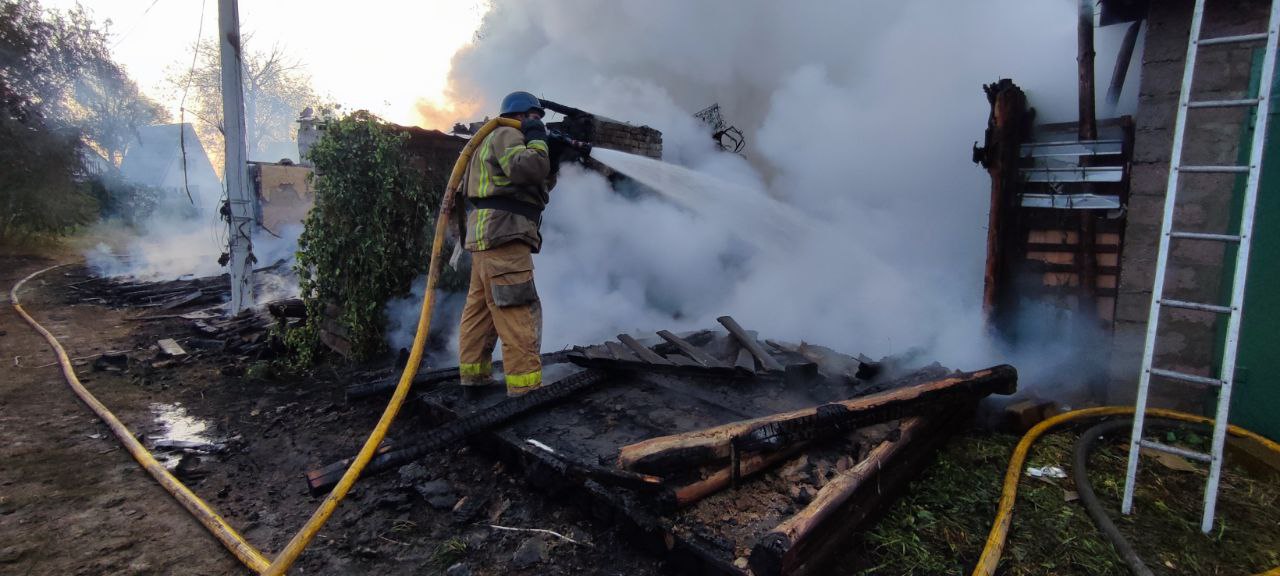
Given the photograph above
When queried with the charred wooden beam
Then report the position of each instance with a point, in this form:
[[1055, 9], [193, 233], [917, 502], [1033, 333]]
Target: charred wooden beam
[[288, 308], [1123, 56], [1084, 38], [578, 470], [454, 432], [434, 376], [702, 358], [745, 362], [642, 351], [751, 344], [772, 433], [1007, 127], [636, 357], [620, 352], [807, 541], [722, 478]]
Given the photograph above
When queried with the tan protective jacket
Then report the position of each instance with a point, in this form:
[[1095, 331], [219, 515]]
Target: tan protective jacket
[[507, 168]]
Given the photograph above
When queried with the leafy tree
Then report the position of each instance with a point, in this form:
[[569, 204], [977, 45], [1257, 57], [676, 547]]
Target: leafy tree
[[368, 235], [61, 95], [39, 191], [276, 89]]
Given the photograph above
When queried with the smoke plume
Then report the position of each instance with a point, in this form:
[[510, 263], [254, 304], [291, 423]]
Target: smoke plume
[[859, 115]]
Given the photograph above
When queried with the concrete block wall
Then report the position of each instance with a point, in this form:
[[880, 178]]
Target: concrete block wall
[[1187, 339]]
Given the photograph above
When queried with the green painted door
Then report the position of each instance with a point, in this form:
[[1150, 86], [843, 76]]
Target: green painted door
[[1255, 402]]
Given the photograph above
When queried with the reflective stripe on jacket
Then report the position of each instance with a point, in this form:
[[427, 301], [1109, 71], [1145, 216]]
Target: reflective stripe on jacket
[[505, 166]]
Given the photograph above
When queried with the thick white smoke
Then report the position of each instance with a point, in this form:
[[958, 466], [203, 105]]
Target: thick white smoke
[[182, 236], [859, 114]]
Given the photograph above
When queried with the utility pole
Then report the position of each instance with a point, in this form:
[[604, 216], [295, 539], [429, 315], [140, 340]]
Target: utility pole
[[239, 216]]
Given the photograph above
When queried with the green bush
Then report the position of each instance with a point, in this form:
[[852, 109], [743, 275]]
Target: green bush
[[368, 235], [39, 191]]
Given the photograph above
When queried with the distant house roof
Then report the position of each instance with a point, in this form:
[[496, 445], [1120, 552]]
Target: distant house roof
[[156, 159]]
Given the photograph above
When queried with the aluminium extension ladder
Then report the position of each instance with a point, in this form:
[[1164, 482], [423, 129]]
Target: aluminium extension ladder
[[1235, 310]]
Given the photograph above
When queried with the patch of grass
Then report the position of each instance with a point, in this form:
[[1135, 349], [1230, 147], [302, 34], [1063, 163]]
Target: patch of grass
[[940, 525], [448, 553]]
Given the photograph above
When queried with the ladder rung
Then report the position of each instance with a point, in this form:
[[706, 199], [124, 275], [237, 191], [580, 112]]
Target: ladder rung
[[1195, 306], [1205, 236], [1207, 381], [1233, 39], [1213, 168], [1183, 452], [1224, 103]]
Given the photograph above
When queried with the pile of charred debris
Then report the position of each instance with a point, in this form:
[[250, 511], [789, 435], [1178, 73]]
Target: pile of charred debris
[[200, 300], [721, 451]]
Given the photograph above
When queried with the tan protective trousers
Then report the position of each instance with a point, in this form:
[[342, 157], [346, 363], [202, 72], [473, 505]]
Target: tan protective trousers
[[502, 304]]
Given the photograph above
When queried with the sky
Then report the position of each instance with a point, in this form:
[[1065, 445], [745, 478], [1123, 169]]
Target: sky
[[383, 57]]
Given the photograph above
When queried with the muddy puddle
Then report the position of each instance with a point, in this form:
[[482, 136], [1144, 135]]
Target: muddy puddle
[[178, 434]]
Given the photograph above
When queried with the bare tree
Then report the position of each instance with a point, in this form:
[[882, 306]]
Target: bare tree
[[276, 88]]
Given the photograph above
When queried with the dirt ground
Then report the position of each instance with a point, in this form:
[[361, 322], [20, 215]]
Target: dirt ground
[[73, 502]]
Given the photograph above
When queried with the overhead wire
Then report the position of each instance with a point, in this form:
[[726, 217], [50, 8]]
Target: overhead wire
[[137, 24], [182, 104]]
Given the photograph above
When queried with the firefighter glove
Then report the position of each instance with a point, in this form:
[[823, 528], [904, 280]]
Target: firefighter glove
[[533, 129]]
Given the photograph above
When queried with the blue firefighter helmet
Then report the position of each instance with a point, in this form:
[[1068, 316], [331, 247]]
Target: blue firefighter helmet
[[521, 102]]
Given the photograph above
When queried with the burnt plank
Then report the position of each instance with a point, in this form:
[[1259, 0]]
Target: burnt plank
[[702, 358], [766, 361], [621, 352], [807, 542], [597, 353], [181, 300], [746, 362], [690, 449], [678, 360], [642, 351]]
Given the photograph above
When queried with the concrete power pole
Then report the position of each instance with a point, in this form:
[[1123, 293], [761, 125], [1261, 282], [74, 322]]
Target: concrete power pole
[[240, 219]]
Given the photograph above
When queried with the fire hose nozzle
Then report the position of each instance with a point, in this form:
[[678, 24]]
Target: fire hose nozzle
[[563, 139]]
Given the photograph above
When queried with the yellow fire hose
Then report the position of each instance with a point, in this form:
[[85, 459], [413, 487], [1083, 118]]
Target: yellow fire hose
[[197, 507], [253, 559], [1000, 529], [322, 513], [242, 550]]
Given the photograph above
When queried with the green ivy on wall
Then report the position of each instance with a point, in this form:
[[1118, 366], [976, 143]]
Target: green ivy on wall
[[367, 237]]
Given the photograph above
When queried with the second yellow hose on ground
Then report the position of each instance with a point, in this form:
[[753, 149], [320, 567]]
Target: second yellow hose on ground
[[197, 507], [1004, 515], [326, 508], [245, 552]]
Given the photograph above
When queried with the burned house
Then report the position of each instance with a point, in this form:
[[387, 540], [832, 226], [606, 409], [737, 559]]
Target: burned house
[[283, 194], [1077, 217]]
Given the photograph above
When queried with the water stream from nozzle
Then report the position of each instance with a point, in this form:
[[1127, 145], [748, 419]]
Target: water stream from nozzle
[[751, 212]]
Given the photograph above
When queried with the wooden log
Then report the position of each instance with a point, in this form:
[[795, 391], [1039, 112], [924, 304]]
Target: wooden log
[[642, 351], [664, 454], [805, 542], [690, 350], [722, 478], [766, 361], [287, 308]]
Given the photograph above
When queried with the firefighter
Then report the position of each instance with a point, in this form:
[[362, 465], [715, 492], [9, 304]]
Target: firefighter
[[507, 184]]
